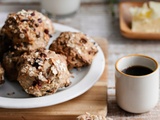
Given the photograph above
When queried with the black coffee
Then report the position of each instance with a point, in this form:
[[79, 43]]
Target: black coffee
[[137, 70]]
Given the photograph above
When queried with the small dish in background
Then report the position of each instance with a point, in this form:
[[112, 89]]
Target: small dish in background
[[125, 23]]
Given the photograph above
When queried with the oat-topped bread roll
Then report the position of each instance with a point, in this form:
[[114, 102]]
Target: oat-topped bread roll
[[77, 47], [1, 75], [28, 30], [10, 63], [43, 72]]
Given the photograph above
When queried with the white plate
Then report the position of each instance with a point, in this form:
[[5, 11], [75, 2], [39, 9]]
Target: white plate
[[13, 96]]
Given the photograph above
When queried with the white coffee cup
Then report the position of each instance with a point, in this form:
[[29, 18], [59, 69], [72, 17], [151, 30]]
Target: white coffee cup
[[137, 94], [60, 7]]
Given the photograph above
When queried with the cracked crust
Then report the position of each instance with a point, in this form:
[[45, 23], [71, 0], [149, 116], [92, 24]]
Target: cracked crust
[[77, 47], [43, 72]]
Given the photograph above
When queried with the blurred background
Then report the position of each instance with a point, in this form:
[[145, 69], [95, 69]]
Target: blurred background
[[13, 5]]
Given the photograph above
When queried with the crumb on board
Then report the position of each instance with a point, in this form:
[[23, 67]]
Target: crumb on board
[[88, 116]]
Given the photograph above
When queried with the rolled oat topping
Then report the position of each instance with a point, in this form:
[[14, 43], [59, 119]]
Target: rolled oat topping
[[43, 72], [27, 30], [77, 47], [88, 116]]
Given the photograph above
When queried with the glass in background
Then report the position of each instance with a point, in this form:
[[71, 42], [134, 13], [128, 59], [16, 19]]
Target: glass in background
[[58, 9]]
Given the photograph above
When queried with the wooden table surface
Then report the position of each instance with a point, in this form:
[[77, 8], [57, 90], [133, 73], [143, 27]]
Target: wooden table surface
[[95, 19]]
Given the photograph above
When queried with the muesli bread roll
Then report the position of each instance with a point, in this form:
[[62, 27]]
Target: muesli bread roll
[[28, 30], [43, 72], [77, 47]]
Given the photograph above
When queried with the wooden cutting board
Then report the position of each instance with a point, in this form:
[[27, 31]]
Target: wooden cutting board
[[93, 101]]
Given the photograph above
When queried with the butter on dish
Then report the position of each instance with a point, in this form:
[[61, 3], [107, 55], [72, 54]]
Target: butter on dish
[[146, 18]]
